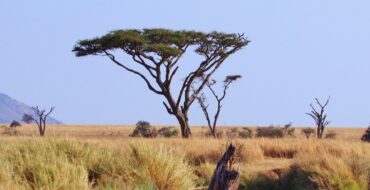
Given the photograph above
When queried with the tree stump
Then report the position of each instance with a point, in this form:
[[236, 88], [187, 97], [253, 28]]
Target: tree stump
[[224, 176]]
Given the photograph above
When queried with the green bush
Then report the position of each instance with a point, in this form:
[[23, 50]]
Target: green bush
[[144, 129], [168, 132]]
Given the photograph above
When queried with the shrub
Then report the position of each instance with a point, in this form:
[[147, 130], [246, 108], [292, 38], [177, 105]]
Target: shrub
[[168, 132], [232, 133], [144, 129], [366, 136], [288, 130], [308, 132], [270, 132], [246, 133], [331, 135], [15, 124]]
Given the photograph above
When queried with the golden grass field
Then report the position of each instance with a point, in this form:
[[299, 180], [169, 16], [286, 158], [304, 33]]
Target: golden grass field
[[105, 157]]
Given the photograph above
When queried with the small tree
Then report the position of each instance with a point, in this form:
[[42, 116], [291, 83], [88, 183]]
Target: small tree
[[157, 52], [308, 132], [144, 129], [366, 136], [202, 100], [320, 117], [40, 120]]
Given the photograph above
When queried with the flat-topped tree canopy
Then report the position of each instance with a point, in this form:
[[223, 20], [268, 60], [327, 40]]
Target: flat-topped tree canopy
[[163, 42], [158, 51]]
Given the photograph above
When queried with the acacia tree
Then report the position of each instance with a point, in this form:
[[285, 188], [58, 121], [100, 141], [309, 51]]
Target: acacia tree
[[202, 100], [41, 115], [320, 117], [158, 52]]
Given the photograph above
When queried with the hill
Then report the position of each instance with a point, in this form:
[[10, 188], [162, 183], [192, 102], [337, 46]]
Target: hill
[[11, 109]]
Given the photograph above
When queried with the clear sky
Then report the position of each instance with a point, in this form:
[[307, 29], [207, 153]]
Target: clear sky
[[299, 50]]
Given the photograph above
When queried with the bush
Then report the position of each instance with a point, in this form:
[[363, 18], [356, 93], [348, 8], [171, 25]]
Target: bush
[[331, 135], [246, 133], [144, 129], [168, 132], [308, 132], [232, 133], [288, 130], [15, 124], [219, 134], [270, 132], [366, 136]]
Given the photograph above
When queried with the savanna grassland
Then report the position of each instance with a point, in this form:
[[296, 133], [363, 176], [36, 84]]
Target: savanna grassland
[[105, 157]]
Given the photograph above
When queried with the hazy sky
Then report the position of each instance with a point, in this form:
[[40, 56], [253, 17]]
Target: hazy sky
[[299, 50]]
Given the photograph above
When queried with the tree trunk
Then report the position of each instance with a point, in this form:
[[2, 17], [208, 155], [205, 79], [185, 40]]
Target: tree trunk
[[224, 177], [184, 126]]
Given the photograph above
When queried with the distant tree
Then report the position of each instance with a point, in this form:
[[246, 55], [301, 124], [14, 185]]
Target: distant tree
[[40, 120], [366, 136], [320, 117], [202, 100], [308, 132], [15, 124], [157, 52]]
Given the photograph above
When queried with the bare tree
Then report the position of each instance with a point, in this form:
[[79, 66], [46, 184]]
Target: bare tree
[[41, 115], [158, 52], [319, 116], [202, 100]]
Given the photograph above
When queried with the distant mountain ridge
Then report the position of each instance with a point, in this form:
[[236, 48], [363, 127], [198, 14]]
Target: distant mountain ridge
[[11, 109]]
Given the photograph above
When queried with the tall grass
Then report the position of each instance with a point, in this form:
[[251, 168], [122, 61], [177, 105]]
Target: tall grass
[[134, 163], [67, 164]]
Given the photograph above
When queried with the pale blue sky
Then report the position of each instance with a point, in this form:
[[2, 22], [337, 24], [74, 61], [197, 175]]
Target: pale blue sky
[[299, 50]]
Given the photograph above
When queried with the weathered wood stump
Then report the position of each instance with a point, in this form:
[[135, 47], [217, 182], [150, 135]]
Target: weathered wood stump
[[224, 176]]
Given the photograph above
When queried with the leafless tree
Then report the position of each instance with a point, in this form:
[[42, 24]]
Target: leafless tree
[[202, 100], [41, 115], [319, 116]]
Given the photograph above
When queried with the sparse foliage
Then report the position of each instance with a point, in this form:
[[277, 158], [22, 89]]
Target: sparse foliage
[[144, 129], [202, 100], [158, 52], [366, 136], [308, 132], [41, 118], [320, 117], [168, 132], [15, 124]]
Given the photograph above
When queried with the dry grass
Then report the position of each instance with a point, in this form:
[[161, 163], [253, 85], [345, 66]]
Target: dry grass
[[342, 163]]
